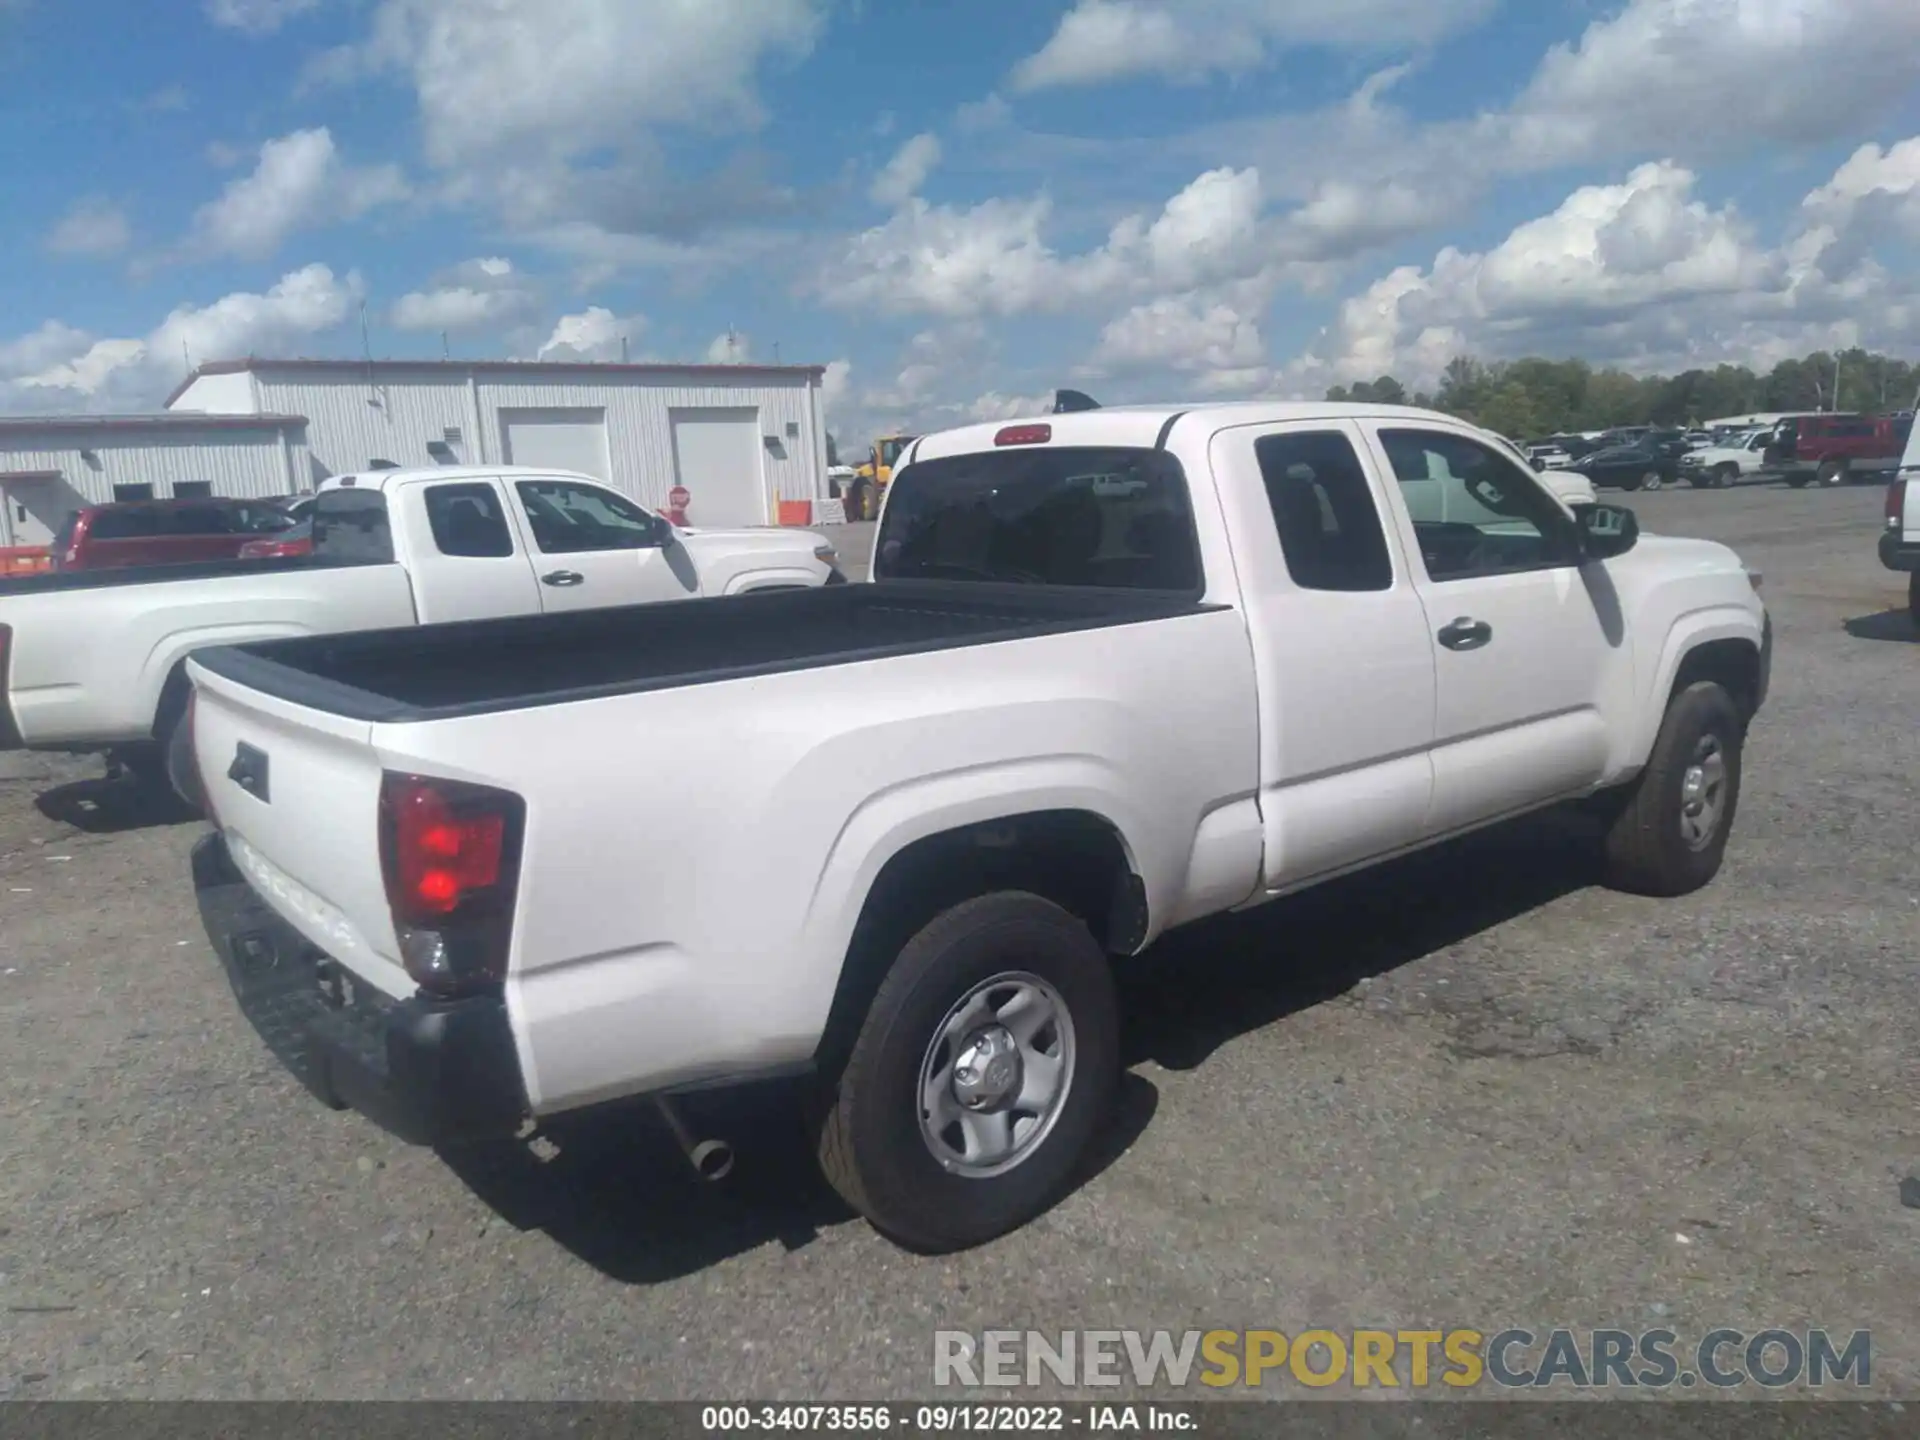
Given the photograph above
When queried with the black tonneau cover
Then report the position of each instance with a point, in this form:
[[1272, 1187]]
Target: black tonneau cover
[[483, 666]]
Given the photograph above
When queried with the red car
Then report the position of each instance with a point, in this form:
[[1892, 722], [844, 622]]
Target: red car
[[164, 532], [1836, 449], [296, 541]]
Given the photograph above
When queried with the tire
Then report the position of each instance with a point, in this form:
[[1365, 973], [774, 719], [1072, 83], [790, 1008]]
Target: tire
[[1648, 848], [1798, 480], [854, 501], [1652, 480], [1726, 476], [182, 771], [874, 1141], [1913, 596], [1704, 481], [1631, 482], [1832, 472]]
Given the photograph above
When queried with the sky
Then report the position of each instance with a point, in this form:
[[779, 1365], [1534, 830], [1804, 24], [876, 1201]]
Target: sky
[[954, 207]]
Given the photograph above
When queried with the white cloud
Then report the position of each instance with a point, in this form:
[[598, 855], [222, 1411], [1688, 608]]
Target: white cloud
[[1186, 334], [559, 78], [1105, 40], [730, 348], [485, 294], [95, 226], [1642, 273], [58, 367], [994, 258], [595, 334], [256, 17], [907, 171], [301, 182], [835, 386], [1712, 74]]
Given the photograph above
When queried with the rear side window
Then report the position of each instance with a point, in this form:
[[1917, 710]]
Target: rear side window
[[198, 520], [1111, 518], [129, 524], [468, 520], [257, 519], [1330, 530], [350, 526]]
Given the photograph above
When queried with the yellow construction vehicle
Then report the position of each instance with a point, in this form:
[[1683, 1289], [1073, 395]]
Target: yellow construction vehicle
[[863, 492]]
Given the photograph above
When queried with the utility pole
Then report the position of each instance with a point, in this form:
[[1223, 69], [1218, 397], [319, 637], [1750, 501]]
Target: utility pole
[[446, 350], [623, 350]]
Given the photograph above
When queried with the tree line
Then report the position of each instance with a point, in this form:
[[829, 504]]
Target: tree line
[[1534, 397]]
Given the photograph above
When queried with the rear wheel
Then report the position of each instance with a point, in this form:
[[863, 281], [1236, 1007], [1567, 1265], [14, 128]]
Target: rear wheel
[[1913, 596], [1670, 833], [1632, 482], [1652, 480], [1833, 472], [1725, 476], [1798, 480], [980, 1075]]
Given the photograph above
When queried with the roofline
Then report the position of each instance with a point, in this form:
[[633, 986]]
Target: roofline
[[174, 420], [254, 365]]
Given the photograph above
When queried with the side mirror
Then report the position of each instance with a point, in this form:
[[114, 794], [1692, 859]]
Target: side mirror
[[1607, 530]]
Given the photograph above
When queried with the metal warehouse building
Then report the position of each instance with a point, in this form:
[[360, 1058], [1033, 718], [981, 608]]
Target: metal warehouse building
[[740, 438], [51, 465]]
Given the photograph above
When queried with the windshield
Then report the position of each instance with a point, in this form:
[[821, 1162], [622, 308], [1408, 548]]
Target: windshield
[[1112, 518], [890, 449]]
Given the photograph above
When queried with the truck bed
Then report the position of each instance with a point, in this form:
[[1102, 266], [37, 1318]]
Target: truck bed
[[51, 582], [484, 666]]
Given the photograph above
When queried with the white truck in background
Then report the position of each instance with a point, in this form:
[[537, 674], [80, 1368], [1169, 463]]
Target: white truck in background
[[1115, 671], [1900, 540], [95, 661], [1726, 462]]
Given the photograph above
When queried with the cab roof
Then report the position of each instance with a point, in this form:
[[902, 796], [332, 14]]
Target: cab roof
[[1145, 426], [381, 480]]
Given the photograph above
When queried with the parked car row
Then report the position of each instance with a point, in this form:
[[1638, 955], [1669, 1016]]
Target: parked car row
[[902, 830], [1828, 449]]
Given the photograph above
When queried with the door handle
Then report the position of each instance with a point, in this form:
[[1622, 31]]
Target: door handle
[[563, 578], [1466, 634]]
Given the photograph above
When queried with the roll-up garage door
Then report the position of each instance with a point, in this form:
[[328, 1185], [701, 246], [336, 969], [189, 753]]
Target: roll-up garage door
[[716, 456], [557, 440]]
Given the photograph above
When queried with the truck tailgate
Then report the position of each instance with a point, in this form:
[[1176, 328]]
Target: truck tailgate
[[296, 792]]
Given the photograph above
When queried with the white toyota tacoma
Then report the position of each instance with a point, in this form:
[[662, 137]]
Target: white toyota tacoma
[[1115, 671], [95, 660]]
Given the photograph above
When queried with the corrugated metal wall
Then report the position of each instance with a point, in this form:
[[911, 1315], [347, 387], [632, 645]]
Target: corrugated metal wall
[[351, 424], [242, 463]]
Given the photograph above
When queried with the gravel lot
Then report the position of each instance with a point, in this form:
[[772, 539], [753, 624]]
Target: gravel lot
[[1473, 1090]]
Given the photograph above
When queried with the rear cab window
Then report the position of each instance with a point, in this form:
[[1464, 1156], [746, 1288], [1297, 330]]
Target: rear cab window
[[351, 527], [468, 520], [133, 522], [1108, 518]]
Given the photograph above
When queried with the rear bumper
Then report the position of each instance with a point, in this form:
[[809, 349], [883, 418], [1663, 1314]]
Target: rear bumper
[[1899, 553], [431, 1072]]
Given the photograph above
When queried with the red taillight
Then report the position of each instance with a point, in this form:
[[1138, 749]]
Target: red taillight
[[450, 855], [1896, 503], [439, 854], [1024, 435]]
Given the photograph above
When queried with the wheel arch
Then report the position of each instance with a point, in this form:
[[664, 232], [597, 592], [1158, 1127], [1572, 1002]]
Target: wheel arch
[[1078, 858]]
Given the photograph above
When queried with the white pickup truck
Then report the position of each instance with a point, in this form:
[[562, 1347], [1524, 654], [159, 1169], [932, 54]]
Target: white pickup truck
[[95, 660], [1900, 540], [1115, 671], [1714, 467]]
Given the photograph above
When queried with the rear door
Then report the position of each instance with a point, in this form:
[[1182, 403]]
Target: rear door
[[1344, 662], [1527, 639], [464, 552], [594, 547], [123, 535]]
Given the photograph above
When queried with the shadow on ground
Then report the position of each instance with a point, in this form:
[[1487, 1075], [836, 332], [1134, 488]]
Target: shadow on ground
[[1896, 625], [110, 807], [619, 1194]]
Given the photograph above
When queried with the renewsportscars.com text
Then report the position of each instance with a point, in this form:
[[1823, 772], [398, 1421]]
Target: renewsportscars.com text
[[1404, 1359]]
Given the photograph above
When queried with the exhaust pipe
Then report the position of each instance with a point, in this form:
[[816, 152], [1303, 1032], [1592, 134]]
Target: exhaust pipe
[[712, 1160]]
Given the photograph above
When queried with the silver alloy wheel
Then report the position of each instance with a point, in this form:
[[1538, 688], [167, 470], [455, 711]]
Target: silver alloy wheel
[[1650, 480], [1703, 793], [996, 1075]]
